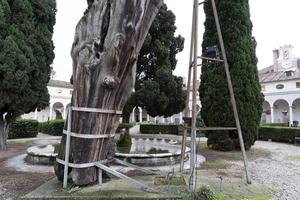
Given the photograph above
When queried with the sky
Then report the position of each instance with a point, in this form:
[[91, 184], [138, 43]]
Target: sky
[[275, 23]]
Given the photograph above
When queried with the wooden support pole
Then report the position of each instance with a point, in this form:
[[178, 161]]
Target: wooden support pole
[[65, 181], [232, 97], [193, 158], [100, 176], [187, 101]]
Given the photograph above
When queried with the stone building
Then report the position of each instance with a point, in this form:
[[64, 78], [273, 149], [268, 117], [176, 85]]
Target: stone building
[[280, 84], [60, 97]]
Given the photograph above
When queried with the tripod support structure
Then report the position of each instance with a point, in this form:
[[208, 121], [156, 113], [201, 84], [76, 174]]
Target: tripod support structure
[[193, 65]]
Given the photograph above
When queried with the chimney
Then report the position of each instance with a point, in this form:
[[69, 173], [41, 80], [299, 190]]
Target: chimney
[[275, 59]]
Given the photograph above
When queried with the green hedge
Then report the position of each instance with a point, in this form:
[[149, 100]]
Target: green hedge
[[53, 127], [125, 125], [276, 124], [156, 129], [279, 134], [23, 128]]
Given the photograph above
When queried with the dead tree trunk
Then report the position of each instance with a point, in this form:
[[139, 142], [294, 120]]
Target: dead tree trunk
[[107, 42], [3, 133]]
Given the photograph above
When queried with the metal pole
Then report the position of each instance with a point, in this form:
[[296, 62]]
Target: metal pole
[[232, 98], [194, 112], [187, 102], [67, 149]]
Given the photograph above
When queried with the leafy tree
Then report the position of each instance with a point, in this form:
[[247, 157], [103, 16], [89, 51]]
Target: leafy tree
[[26, 28], [240, 46], [157, 89]]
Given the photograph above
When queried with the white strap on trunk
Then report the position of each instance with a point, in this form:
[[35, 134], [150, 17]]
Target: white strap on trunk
[[82, 165], [97, 110], [88, 136]]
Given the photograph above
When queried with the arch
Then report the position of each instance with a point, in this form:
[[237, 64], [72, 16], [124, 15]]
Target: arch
[[281, 111], [266, 114], [137, 112], [57, 110], [198, 108], [66, 110]]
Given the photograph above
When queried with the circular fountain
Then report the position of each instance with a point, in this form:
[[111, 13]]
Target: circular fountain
[[152, 152]]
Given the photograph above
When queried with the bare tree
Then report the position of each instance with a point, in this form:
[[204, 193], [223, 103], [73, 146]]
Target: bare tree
[[107, 42]]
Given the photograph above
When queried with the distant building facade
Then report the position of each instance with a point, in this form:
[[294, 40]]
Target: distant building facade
[[60, 97], [280, 84]]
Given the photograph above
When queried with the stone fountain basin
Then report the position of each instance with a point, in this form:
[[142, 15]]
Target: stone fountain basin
[[41, 155], [158, 159]]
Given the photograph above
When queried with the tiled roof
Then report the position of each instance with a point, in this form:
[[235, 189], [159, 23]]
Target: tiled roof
[[265, 77], [57, 83]]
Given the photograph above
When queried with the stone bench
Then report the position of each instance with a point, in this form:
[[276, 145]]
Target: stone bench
[[297, 141]]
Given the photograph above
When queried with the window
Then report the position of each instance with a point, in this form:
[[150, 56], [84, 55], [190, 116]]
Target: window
[[297, 84], [263, 88], [289, 73], [59, 91], [279, 86]]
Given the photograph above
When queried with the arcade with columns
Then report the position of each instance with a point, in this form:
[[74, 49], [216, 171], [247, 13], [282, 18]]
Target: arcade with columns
[[280, 84]]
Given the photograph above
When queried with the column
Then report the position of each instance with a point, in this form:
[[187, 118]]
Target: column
[[155, 118], [35, 114], [291, 116], [50, 117], [172, 119], [140, 114], [148, 118], [272, 115], [64, 112], [133, 115], [180, 118]]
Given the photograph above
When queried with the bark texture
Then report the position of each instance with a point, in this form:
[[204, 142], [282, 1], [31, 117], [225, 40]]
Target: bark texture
[[107, 42], [3, 133]]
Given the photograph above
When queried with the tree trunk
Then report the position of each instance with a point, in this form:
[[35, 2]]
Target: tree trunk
[[107, 42], [3, 133]]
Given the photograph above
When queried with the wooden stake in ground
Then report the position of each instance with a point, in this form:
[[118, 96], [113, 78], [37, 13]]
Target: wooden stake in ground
[[107, 42]]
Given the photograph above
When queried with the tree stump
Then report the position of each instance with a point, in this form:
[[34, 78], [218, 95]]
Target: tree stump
[[107, 42]]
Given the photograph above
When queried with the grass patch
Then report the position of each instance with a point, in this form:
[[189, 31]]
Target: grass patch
[[260, 197], [293, 158], [216, 165], [212, 155], [25, 142], [236, 189]]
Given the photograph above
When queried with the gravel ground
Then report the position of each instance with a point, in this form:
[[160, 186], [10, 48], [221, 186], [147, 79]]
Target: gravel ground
[[280, 172]]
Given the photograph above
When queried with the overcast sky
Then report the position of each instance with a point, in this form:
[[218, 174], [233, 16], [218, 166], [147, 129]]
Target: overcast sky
[[275, 23]]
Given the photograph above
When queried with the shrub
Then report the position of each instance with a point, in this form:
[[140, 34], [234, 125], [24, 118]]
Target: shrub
[[204, 193], [53, 127], [279, 134], [124, 143], [56, 127], [156, 129], [23, 128], [126, 126]]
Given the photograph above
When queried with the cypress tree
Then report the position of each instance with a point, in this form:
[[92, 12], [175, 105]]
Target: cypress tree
[[234, 16], [26, 52], [156, 89]]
